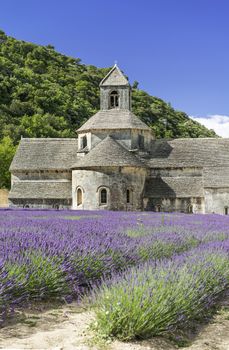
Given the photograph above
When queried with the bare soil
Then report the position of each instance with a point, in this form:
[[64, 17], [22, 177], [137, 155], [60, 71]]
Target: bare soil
[[4, 198], [67, 328]]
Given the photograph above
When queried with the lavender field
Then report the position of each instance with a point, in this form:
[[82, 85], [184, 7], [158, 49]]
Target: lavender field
[[145, 273]]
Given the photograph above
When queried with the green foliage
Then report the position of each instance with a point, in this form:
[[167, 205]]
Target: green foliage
[[42, 277], [7, 151], [45, 93]]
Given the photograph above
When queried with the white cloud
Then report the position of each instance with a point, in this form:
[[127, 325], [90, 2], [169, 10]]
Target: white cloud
[[219, 123]]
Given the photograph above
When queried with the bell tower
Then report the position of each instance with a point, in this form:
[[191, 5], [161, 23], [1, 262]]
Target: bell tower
[[115, 91]]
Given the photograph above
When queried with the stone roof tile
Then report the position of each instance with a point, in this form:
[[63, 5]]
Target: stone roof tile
[[108, 153], [41, 189], [216, 177], [189, 153], [172, 187], [113, 119], [45, 154]]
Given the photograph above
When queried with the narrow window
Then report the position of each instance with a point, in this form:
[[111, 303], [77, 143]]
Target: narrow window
[[103, 196], [225, 210], [79, 196], [127, 196], [114, 100], [190, 209], [83, 142], [158, 208], [141, 142]]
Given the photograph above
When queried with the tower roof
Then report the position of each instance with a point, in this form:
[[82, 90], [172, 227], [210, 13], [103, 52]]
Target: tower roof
[[113, 119], [108, 153], [115, 78]]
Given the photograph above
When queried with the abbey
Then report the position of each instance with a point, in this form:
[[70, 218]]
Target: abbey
[[117, 164]]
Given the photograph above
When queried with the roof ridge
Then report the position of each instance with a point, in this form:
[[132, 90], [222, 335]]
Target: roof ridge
[[48, 139]]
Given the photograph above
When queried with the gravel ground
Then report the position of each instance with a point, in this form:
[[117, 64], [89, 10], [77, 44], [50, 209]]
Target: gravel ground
[[66, 328]]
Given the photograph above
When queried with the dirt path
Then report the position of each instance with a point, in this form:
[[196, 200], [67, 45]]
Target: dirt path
[[66, 328]]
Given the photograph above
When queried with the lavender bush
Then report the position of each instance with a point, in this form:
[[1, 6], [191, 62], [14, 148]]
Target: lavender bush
[[151, 299], [62, 254]]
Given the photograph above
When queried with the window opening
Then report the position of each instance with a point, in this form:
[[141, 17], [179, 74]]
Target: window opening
[[83, 142], [114, 99], [225, 210], [141, 141], [127, 196], [79, 196], [190, 209], [103, 196], [158, 208]]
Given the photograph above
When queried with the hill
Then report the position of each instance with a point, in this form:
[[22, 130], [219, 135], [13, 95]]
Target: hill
[[46, 94]]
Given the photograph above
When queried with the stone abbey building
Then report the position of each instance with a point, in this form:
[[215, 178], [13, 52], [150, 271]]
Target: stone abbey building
[[117, 164]]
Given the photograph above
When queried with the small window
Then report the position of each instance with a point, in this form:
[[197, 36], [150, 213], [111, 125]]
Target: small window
[[190, 209], [114, 99], [79, 196], [103, 196], [127, 196], [225, 210], [158, 208], [141, 142], [83, 142]]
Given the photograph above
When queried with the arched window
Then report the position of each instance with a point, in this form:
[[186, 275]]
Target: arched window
[[114, 99], [103, 196], [225, 210], [79, 196], [190, 209]]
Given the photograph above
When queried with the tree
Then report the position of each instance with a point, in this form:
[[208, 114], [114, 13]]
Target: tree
[[7, 151]]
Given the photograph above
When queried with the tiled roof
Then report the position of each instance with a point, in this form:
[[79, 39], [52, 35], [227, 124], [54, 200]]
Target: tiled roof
[[172, 187], [108, 153], [204, 152], [113, 119], [45, 154], [41, 189]]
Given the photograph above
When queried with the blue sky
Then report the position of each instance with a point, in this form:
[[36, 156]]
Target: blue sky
[[177, 50]]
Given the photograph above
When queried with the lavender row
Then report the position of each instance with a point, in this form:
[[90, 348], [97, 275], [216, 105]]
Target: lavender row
[[152, 299]]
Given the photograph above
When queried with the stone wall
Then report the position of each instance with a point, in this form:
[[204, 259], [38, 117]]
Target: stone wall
[[124, 97], [41, 175], [4, 198], [116, 181], [177, 171], [127, 138], [183, 205], [216, 199], [40, 203], [122, 136]]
